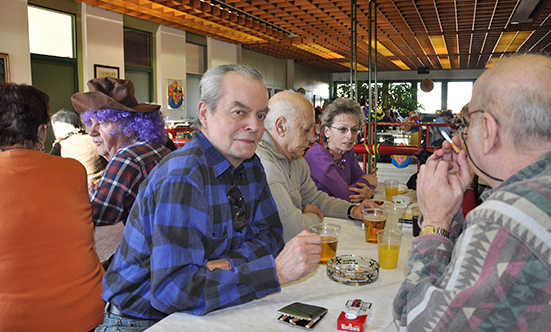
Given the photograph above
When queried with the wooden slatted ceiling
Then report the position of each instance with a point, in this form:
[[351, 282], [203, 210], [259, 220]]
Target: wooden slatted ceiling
[[439, 34]]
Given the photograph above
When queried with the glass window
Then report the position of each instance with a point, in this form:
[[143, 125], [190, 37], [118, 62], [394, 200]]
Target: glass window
[[195, 59], [431, 100], [51, 33], [459, 94], [137, 48]]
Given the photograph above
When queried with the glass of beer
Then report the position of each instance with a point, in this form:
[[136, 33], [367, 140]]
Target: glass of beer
[[375, 220], [389, 241], [391, 189], [329, 239]]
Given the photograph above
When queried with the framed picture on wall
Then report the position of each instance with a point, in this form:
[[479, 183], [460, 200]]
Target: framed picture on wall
[[174, 93], [4, 68], [105, 71]]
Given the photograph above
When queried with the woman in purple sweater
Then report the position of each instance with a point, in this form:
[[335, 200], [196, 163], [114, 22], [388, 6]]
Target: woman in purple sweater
[[333, 165]]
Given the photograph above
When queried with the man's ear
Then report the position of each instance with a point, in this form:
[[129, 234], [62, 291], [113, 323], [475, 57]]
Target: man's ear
[[203, 112], [281, 126], [490, 133]]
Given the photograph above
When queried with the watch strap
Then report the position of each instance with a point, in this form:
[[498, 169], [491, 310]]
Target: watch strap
[[427, 230]]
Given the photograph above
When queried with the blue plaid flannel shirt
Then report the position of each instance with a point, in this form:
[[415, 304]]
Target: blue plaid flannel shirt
[[182, 219]]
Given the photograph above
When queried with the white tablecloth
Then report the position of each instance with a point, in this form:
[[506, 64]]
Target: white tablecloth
[[316, 289]]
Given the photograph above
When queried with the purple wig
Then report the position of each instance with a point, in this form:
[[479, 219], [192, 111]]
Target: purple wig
[[141, 126]]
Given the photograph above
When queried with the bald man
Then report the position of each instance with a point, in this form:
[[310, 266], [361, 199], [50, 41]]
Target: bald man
[[289, 132], [492, 270]]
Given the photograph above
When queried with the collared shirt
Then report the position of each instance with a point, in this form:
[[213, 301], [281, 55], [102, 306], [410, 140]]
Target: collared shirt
[[118, 187], [181, 220], [494, 273]]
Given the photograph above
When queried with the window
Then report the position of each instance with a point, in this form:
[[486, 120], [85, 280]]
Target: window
[[138, 61], [431, 100], [51, 33], [195, 59], [459, 94]]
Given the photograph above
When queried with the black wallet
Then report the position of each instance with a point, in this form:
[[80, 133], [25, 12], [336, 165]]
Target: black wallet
[[302, 315]]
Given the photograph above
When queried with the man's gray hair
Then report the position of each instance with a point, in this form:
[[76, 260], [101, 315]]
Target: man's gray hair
[[525, 110], [211, 83]]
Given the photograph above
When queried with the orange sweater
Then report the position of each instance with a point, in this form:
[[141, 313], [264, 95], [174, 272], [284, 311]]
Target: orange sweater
[[50, 275]]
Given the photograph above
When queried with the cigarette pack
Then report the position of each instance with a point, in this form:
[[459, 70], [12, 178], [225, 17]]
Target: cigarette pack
[[302, 315], [357, 324]]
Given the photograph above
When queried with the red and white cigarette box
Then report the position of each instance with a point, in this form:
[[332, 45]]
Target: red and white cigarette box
[[354, 325]]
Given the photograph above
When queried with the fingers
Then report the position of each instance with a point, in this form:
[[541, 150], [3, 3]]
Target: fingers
[[299, 257], [306, 237]]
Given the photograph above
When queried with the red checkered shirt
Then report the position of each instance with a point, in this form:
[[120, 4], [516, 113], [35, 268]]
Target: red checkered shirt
[[118, 187]]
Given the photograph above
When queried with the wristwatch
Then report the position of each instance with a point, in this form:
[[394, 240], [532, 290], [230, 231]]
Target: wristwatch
[[435, 230]]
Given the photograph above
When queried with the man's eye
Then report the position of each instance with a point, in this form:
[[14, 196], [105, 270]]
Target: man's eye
[[238, 112], [261, 116]]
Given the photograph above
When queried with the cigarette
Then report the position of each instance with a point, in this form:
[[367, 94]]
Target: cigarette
[[455, 148]]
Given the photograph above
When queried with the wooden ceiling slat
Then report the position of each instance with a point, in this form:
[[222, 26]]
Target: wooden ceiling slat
[[471, 29]]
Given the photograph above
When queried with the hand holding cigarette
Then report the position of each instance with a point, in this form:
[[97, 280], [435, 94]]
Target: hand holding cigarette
[[455, 148]]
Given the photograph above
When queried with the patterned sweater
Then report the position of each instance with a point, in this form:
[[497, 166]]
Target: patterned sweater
[[494, 273]]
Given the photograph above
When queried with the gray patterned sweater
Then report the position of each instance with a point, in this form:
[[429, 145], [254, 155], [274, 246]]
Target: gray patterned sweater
[[494, 273]]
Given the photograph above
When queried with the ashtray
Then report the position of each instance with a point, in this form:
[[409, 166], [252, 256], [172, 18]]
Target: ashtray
[[353, 270]]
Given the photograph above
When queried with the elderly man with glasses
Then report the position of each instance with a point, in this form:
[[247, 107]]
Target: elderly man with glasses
[[490, 271], [289, 132], [204, 232]]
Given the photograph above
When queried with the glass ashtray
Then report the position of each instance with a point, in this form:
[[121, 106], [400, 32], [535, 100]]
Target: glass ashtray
[[353, 270]]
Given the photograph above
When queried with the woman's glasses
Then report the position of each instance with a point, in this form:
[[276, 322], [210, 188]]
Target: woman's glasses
[[343, 130], [237, 203]]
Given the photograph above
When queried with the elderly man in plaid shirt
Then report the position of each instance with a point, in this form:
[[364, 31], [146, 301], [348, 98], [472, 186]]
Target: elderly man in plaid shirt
[[130, 136], [204, 232]]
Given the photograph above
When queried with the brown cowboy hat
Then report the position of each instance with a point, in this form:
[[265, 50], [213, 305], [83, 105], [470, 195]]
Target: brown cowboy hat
[[110, 93]]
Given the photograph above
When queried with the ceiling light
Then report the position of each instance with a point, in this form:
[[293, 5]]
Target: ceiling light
[[439, 45], [445, 62], [319, 51], [401, 64], [359, 66], [512, 41]]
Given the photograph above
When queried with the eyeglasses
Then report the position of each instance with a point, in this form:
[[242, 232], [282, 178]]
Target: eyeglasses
[[343, 130], [466, 118], [237, 203]]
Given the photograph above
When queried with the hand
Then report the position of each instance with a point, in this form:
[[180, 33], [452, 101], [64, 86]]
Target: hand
[[299, 257], [222, 263], [363, 192], [309, 208], [357, 211], [441, 183], [372, 179]]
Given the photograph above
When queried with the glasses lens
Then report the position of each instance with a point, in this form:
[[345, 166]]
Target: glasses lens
[[343, 130], [240, 221], [235, 197], [354, 131], [237, 203]]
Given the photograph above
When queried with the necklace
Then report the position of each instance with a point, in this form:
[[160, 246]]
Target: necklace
[[340, 163]]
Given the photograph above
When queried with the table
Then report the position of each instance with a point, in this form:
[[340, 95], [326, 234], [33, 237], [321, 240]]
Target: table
[[316, 289]]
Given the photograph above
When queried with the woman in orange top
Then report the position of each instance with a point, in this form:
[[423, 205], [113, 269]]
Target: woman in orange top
[[50, 275]]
